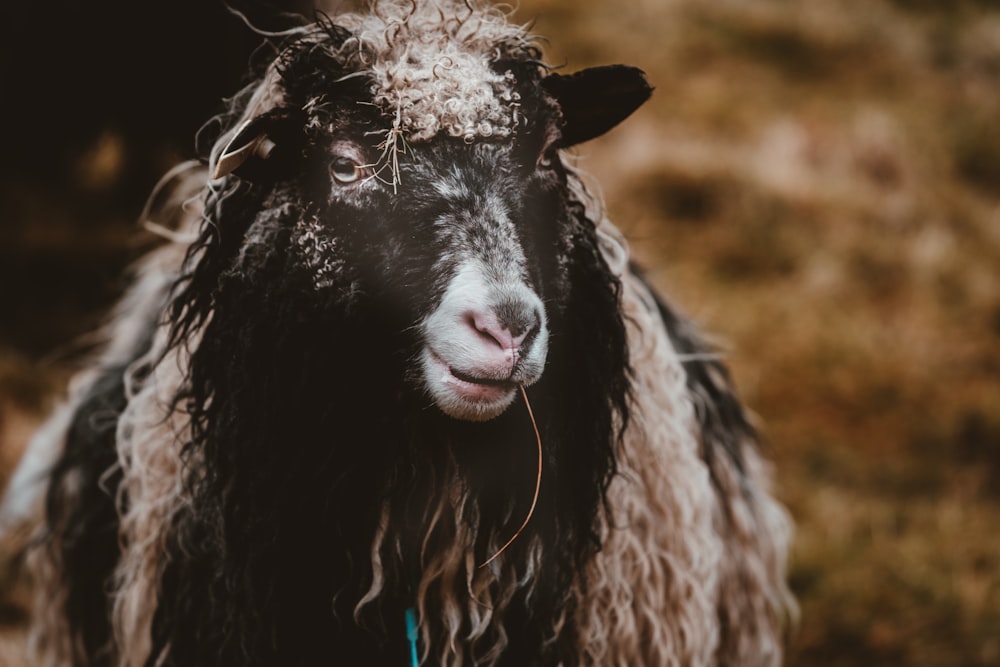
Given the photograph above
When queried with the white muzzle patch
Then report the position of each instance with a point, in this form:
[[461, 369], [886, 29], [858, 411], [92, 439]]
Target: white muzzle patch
[[485, 338]]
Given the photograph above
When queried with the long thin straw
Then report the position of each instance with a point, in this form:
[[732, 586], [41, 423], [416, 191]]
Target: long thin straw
[[538, 481]]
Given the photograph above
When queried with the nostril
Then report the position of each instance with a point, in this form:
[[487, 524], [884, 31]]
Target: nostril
[[524, 330], [509, 333], [489, 327]]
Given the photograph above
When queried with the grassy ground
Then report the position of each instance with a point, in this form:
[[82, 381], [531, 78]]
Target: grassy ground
[[818, 183]]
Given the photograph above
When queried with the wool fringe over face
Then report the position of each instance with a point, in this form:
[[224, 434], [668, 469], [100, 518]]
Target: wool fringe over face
[[657, 540]]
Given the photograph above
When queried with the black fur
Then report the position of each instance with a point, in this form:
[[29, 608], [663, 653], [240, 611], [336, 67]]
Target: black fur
[[87, 520], [82, 516]]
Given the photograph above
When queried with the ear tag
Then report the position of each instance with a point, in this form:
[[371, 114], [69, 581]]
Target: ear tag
[[240, 149]]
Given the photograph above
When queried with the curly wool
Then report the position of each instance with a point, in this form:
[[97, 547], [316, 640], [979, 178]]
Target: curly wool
[[430, 66]]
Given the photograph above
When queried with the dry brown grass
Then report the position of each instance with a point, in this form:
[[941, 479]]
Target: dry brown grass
[[819, 184]]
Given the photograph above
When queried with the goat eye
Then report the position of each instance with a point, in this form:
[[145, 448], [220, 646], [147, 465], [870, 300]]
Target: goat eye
[[345, 170]]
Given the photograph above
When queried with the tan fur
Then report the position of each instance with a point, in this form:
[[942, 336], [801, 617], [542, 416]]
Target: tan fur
[[652, 590], [677, 555], [149, 437], [149, 442], [754, 597]]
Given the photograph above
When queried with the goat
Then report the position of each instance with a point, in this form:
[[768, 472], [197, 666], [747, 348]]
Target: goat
[[392, 323]]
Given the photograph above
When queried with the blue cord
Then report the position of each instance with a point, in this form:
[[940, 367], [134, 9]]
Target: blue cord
[[412, 634]]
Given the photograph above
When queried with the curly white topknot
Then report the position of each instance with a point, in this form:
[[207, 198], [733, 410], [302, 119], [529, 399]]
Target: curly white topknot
[[432, 66]]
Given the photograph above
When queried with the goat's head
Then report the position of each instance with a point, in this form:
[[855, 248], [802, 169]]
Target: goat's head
[[422, 156]]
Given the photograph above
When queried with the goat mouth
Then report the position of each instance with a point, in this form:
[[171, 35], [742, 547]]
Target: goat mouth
[[476, 388], [485, 381], [464, 394]]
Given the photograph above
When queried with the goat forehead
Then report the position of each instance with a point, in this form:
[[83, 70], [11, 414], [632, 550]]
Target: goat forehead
[[476, 181], [458, 171], [432, 64], [476, 210]]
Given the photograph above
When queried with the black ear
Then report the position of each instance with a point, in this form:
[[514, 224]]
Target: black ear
[[594, 100], [260, 146]]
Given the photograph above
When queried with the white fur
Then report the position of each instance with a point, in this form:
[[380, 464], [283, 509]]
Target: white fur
[[450, 342], [428, 63]]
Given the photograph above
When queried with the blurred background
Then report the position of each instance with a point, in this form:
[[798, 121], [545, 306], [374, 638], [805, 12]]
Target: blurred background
[[817, 183]]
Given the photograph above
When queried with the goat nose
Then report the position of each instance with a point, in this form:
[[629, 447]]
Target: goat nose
[[508, 332]]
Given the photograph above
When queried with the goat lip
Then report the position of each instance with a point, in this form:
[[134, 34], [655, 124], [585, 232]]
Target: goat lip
[[470, 387], [477, 388], [486, 381], [480, 393]]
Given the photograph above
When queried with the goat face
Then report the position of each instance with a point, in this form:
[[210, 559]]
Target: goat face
[[464, 243], [464, 250], [494, 226]]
